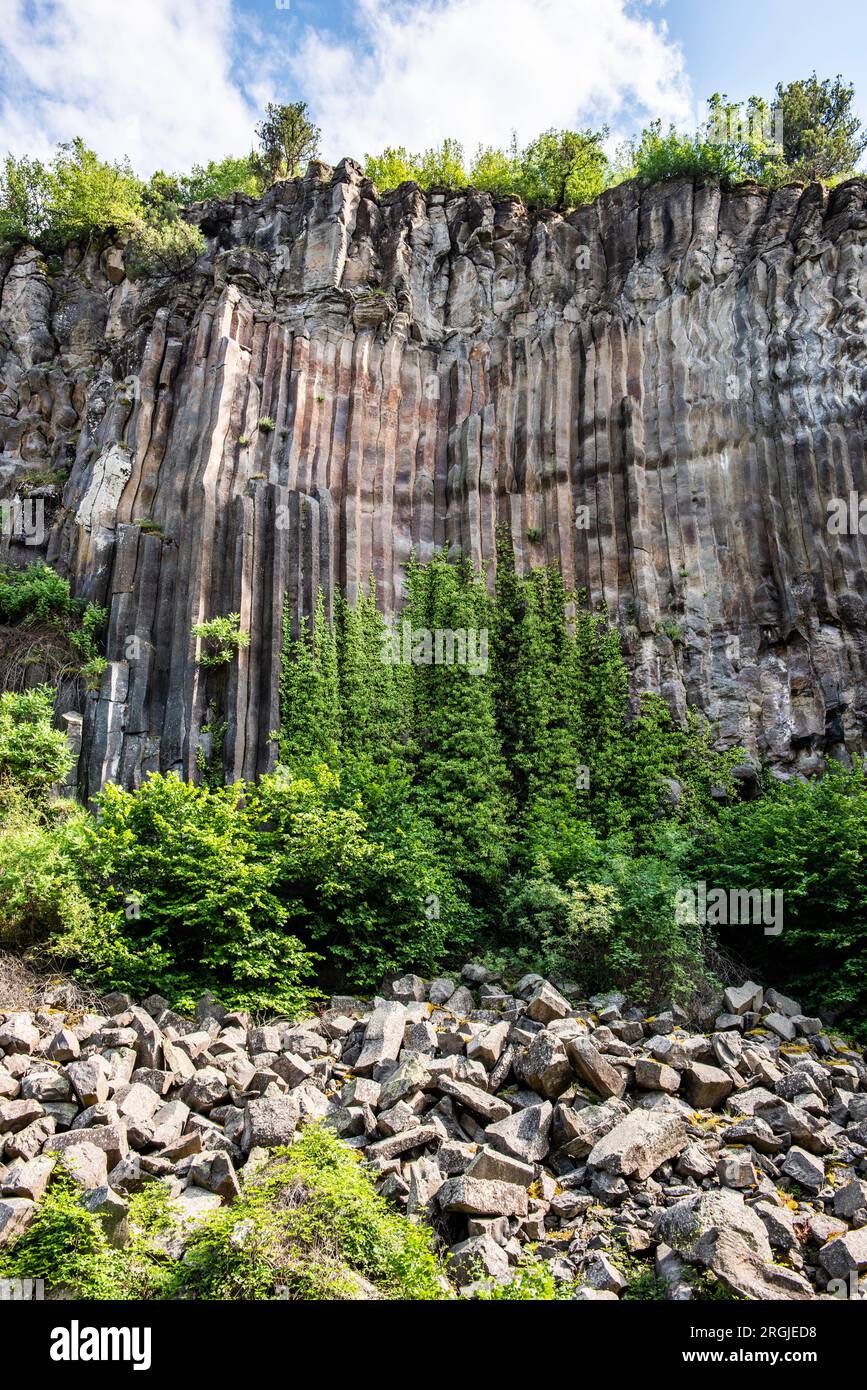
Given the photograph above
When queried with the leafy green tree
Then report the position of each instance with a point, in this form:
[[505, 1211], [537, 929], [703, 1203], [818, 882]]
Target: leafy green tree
[[563, 168], [822, 135], [496, 171], [443, 165], [184, 899], [392, 168], [375, 692], [288, 139], [88, 196], [220, 178], [808, 840], [23, 200], [309, 691], [169, 248], [360, 897]]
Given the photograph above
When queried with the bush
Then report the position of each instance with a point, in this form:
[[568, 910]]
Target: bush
[[33, 754], [38, 595], [221, 638], [310, 1226], [40, 892], [614, 928], [67, 1247], [372, 898], [34, 594], [168, 248], [184, 901], [808, 840]]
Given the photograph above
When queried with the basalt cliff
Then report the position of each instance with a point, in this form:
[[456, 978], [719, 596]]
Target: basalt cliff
[[662, 392]]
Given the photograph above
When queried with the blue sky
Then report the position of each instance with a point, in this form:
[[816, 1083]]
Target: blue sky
[[171, 82]]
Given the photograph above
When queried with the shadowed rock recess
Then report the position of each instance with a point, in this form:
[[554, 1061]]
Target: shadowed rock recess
[[686, 364]]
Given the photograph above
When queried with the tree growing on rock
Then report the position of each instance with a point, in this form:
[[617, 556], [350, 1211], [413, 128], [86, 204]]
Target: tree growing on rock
[[287, 140]]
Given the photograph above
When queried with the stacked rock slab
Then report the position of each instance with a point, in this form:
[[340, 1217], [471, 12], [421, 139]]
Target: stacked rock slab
[[717, 1147], [662, 392]]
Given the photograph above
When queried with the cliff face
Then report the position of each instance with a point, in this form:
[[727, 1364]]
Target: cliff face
[[662, 392]]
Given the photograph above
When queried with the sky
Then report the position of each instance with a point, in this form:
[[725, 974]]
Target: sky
[[170, 83]]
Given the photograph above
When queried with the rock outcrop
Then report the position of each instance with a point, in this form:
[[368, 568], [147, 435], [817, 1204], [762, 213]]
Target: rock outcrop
[[760, 1186], [663, 392]]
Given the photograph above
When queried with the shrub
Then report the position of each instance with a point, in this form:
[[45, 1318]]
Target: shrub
[[38, 595], [267, 425], [807, 839], [184, 900], [310, 1226], [67, 1247], [372, 899], [33, 754], [670, 155], [532, 1281], [40, 892], [167, 248], [221, 639], [34, 594]]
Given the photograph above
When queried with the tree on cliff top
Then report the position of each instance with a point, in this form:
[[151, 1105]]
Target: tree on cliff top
[[822, 136], [287, 139]]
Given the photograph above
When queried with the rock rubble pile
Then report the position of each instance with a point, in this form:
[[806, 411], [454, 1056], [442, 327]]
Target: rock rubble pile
[[734, 1145]]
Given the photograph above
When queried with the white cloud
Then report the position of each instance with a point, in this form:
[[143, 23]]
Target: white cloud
[[477, 69], [149, 78], [172, 82]]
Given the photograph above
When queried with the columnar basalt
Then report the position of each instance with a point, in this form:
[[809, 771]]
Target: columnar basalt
[[661, 392]]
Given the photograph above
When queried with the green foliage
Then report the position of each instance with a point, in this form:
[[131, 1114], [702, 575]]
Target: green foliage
[[38, 595], [167, 194], [167, 248], [822, 136], [184, 899], [76, 197], [33, 754], [287, 140], [532, 1281], [40, 850], [23, 199], [659, 155], [359, 891], [267, 425], [310, 1226], [496, 171], [443, 166], [459, 772], [393, 167], [66, 1246], [563, 168], [559, 169], [809, 841], [34, 594], [221, 638]]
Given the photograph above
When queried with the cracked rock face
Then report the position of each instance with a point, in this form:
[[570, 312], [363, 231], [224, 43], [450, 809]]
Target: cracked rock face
[[663, 392]]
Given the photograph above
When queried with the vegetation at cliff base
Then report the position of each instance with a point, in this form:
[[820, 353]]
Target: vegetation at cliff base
[[474, 779]]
